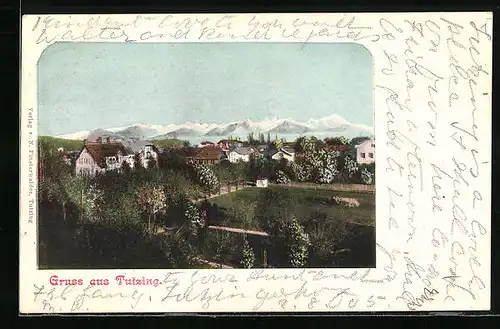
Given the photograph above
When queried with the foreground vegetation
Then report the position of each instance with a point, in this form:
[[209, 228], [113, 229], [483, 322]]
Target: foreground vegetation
[[147, 218]]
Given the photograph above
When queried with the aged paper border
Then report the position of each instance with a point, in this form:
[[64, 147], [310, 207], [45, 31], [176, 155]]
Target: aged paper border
[[432, 76]]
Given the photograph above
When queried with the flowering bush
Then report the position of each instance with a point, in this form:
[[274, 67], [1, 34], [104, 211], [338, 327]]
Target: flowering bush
[[192, 214], [248, 256], [302, 171], [282, 178], [91, 201], [206, 178], [350, 166], [325, 166], [297, 242], [366, 176]]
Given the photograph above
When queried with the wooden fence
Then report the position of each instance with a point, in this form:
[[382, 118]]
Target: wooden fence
[[332, 187]]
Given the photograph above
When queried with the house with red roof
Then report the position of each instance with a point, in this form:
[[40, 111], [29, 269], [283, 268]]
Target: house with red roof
[[206, 144], [207, 155], [100, 156]]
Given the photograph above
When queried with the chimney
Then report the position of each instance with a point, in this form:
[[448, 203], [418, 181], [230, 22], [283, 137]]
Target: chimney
[[99, 140], [85, 141]]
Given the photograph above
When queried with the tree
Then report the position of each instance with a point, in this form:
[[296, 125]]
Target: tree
[[282, 178], [307, 145], [193, 215], [151, 163], [325, 166], [138, 162], [277, 143], [302, 171], [367, 176], [349, 169], [206, 178], [91, 202], [251, 140], [53, 190], [247, 255], [126, 167], [296, 241], [327, 235], [86, 195], [240, 171], [152, 201], [192, 222], [261, 138], [334, 141]]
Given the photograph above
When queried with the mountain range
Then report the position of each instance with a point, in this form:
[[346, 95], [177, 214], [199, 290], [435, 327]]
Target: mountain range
[[333, 124]]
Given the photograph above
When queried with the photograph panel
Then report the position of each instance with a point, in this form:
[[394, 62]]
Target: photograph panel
[[206, 155]]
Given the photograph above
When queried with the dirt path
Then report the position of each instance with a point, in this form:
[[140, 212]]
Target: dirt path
[[164, 230], [223, 192], [238, 230]]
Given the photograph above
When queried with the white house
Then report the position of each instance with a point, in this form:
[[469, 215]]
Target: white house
[[148, 152], [261, 182], [283, 153], [100, 156], [240, 154], [226, 144], [365, 151]]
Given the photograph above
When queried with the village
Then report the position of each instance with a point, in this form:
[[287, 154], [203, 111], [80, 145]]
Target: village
[[209, 195], [104, 154]]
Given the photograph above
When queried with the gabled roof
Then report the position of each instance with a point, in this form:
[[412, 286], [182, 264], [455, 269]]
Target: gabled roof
[[273, 152], [371, 140], [208, 153], [243, 150], [99, 151]]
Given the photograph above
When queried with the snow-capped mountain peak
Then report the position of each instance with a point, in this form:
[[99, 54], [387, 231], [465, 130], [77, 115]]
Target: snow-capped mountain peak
[[333, 123]]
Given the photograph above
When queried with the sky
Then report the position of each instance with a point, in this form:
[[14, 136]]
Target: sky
[[85, 86]]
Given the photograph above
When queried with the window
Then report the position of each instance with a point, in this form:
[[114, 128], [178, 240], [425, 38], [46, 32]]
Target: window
[[363, 155], [370, 155], [148, 155], [373, 145]]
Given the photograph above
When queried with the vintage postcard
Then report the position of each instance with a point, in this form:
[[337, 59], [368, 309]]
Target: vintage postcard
[[227, 163]]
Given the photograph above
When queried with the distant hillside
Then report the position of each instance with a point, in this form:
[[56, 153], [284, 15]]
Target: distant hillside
[[48, 142], [168, 142]]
